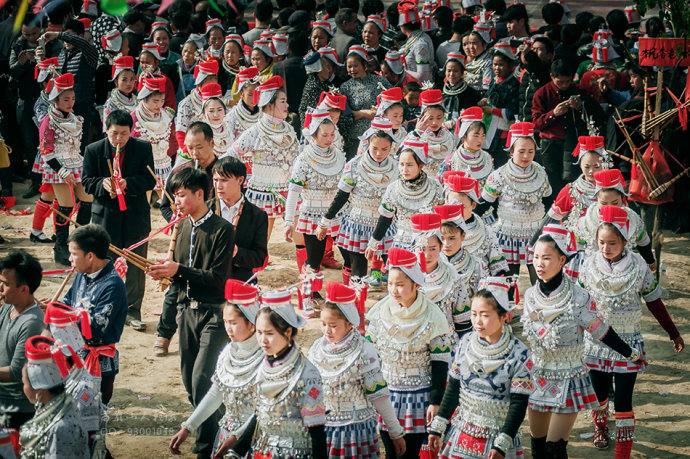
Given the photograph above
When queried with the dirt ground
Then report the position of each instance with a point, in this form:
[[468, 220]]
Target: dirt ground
[[150, 402]]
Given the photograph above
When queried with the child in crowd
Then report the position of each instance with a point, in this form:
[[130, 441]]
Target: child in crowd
[[469, 157], [430, 129], [413, 338], [442, 285], [153, 123], [234, 378], [480, 238], [354, 388], [315, 175], [410, 103], [519, 186], [122, 96], [469, 267], [214, 112], [488, 383], [617, 278]]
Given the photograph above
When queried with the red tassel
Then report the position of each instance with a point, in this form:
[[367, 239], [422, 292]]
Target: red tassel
[[60, 361], [85, 323]]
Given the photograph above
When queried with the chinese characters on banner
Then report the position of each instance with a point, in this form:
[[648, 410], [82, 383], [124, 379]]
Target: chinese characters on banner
[[664, 52]]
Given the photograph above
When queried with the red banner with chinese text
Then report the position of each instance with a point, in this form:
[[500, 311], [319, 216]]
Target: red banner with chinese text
[[665, 52]]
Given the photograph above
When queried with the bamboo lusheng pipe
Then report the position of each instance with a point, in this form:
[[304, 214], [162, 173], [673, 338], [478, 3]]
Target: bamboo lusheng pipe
[[62, 286], [160, 185], [644, 167], [165, 282], [134, 262], [664, 186], [665, 118], [113, 194], [623, 157], [119, 252]]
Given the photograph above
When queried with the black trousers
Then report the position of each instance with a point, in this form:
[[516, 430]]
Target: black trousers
[[413, 443], [135, 281], [551, 156], [625, 385], [356, 261], [315, 250], [167, 323], [202, 337], [107, 386]]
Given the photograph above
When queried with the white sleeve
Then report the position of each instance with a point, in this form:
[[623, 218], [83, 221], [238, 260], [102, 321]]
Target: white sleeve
[[384, 407], [209, 404], [291, 203]]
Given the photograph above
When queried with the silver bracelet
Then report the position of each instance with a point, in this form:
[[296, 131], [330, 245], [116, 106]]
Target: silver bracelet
[[503, 442], [633, 356], [438, 424], [64, 172], [373, 244]]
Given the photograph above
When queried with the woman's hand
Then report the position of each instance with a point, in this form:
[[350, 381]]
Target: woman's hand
[[641, 361], [70, 179], [400, 446], [226, 446], [289, 230], [177, 441], [494, 454], [430, 413], [369, 254], [434, 442], [678, 344], [423, 122], [321, 233], [653, 266]]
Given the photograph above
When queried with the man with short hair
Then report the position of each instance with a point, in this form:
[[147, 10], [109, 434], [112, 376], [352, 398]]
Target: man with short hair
[[536, 56], [98, 289], [262, 15], [199, 141], [345, 34], [21, 318], [557, 112], [135, 29], [250, 222], [129, 226], [202, 262]]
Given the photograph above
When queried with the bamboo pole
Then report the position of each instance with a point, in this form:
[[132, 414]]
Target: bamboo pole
[[62, 286], [163, 190]]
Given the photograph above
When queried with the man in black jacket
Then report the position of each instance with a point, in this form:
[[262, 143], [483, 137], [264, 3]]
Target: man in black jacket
[[201, 264], [250, 222], [199, 142], [133, 224], [251, 238]]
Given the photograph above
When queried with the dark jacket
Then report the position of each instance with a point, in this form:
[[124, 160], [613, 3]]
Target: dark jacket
[[294, 85], [81, 61], [135, 222], [105, 297], [251, 239], [536, 75], [203, 279]]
